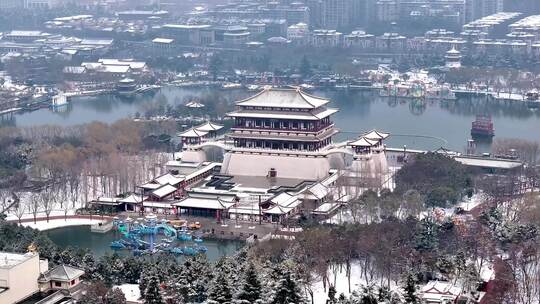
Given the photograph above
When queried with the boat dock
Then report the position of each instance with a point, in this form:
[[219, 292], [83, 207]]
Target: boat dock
[[102, 227]]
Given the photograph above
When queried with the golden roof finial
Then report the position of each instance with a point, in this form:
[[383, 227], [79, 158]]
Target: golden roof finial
[[32, 248]]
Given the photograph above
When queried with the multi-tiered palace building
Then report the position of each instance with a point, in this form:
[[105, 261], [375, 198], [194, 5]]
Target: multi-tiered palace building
[[282, 133]]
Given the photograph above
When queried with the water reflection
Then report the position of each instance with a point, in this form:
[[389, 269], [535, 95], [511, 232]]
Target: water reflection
[[99, 243], [359, 111]]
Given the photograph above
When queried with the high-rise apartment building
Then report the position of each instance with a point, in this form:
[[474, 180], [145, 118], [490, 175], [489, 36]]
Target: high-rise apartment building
[[11, 4], [476, 9], [332, 14], [531, 7], [387, 10]]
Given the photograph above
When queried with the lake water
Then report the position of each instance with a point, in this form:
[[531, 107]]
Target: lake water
[[99, 243], [434, 124]]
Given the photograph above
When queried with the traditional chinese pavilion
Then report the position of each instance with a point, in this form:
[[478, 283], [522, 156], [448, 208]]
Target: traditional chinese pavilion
[[280, 133]]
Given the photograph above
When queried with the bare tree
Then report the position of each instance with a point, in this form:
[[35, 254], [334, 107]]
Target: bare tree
[[5, 200], [47, 200], [526, 150], [35, 204], [20, 209], [74, 183]]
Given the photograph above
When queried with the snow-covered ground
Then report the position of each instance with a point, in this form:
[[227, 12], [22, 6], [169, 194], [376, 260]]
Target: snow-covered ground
[[470, 203], [42, 224], [341, 284], [131, 292], [57, 223], [40, 214]]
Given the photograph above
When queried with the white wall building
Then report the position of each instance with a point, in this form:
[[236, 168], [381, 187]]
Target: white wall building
[[298, 32], [326, 38], [19, 275]]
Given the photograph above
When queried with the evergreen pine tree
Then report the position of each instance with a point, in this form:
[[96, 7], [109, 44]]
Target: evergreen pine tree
[[331, 295], [368, 296], [143, 281], [383, 294], [410, 290], [115, 296], [152, 293], [250, 290], [220, 290], [287, 291], [199, 275], [180, 289]]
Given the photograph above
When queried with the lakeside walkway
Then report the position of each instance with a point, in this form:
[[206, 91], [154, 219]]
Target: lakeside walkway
[[61, 221]]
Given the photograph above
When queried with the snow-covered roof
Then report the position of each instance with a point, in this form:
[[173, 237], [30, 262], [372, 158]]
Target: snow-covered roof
[[376, 135], [214, 203], [317, 191], [25, 33], [204, 169], [192, 133], [70, 51], [133, 199], [164, 191], [326, 208], [91, 65], [8, 259], [278, 40], [209, 126], [281, 199], [186, 26], [279, 210], [101, 42], [136, 65], [168, 179], [151, 185], [114, 68], [62, 273], [163, 40], [72, 18], [127, 80], [283, 203], [313, 115], [363, 142], [438, 291], [194, 104], [283, 98], [453, 51], [74, 69]]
